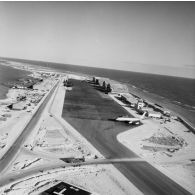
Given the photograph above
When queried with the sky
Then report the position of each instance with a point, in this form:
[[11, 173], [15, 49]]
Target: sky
[[154, 37]]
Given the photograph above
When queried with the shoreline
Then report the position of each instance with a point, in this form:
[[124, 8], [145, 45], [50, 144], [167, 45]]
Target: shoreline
[[4, 92], [165, 104], [184, 113], [119, 86], [7, 88], [176, 110], [174, 160]]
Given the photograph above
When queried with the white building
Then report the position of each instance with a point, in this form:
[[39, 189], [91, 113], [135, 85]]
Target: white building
[[140, 104], [19, 106], [154, 114]]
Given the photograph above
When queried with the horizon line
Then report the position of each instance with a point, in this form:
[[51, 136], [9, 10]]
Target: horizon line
[[96, 67]]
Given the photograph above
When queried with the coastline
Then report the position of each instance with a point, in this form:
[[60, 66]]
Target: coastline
[[4, 92], [173, 160], [5, 87], [185, 116], [121, 87], [181, 110]]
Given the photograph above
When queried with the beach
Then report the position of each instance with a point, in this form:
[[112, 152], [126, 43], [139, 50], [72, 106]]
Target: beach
[[187, 114], [7, 76], [174, 93]]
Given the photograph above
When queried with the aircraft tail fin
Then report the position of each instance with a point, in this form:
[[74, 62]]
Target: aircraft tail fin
[[143, 116]]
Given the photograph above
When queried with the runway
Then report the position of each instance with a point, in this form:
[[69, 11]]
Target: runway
[[88, 112]]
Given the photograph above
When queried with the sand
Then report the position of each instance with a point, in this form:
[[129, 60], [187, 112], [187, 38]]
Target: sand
[[54, 138], [14, 125], [91, 178]]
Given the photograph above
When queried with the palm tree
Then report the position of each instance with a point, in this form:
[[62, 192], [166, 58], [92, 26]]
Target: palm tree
[[97, 82], [109, 88], [104, 85]]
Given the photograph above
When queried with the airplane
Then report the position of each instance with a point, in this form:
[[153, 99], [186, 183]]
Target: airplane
[[135, 121]]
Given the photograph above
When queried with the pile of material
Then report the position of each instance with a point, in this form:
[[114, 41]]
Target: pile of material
[[170, 140], [163, 142]]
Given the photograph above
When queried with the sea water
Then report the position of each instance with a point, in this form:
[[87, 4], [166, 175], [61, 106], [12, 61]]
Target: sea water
[[176, 93], [9, 74]]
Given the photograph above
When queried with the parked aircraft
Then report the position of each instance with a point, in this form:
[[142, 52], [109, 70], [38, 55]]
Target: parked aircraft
[[135, 121]]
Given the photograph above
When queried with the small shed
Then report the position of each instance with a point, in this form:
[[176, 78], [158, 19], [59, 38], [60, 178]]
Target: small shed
[[18, 106], [154, 114], [128, 98]]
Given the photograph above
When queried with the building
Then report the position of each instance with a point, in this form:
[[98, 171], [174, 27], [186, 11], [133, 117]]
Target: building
[[147, 109], [128, 98], [67, 83], [154, 114], [18, 106], [63, 188], [144, 109], [167, 113], [140, 104]]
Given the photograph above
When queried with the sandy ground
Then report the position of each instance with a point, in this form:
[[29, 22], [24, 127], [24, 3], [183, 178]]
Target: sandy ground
[[12, 129], [167, 146], [54, 138], [17, 119], [101, 179], [116, 86]]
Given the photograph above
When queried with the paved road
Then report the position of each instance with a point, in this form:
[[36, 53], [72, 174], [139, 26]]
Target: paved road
[[7, 159], [11, 177], [144, 176]]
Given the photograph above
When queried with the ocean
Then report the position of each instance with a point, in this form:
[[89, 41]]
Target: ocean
[[177, 89], [174, 93], [8, 74]]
